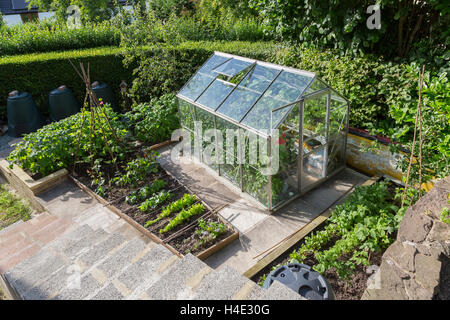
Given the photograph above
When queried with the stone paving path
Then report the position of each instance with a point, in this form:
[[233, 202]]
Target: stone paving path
[[79, 249]]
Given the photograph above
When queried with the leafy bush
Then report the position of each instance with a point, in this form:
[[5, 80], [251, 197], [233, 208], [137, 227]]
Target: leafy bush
[[137, 170], [45, 36], [38, 74], [145, 192], [54, 146], [154, 121], [362, 224]]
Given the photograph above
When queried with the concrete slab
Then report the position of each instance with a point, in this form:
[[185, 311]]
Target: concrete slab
[[242, 215]]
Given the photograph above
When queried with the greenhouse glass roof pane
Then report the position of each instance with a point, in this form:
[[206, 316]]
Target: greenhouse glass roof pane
[[287, 88], [238, 103], [196, 86], [215, 94], [259, 78], [213, 63], [232, 67]]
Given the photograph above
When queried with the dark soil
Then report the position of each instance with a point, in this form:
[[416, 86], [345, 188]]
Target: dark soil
[[183, 236]]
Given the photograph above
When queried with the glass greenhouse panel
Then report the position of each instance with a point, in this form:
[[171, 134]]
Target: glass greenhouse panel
[[338, 121], [212, 63], [255, 183], [231, 132], [238, 103], [232, 67], [313, 168], [196, 86], [186, 114], [215, 94], [314, 117], [259, 117], [285, 182], [206, 118], [316, 86], [336, 155]]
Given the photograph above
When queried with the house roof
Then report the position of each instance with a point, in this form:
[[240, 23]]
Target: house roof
[[9, 7], [249, 93]]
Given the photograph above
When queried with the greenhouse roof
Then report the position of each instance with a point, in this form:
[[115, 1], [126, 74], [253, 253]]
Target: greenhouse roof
[[249, 92]]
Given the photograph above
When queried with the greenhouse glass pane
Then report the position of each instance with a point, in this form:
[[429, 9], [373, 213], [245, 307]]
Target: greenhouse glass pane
[[206, 118], [255, 183], [336, 157], [259, 78], [314, 117], [316, 86], [186, 114], [238, 103], [338, 121], [313, 168], [212, 63], [336, 101], [215, 94], [285, 182], [232, 135], [196, 86], [232, 67], [259, 116], [288, 86]]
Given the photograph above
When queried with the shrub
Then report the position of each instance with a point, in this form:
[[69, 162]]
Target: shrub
[[154, 121], [38, 74]]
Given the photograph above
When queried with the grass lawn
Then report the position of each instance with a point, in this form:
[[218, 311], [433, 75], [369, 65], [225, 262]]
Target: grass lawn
[[12, 208]]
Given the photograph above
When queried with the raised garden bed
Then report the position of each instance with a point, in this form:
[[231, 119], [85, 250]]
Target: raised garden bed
[[351, 288], [181, 238]]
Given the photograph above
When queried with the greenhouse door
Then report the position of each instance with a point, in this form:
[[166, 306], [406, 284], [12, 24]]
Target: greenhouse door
[[315, 118]]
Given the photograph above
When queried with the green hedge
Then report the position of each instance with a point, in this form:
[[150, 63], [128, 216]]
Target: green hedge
[[371, 84], [41, 73]]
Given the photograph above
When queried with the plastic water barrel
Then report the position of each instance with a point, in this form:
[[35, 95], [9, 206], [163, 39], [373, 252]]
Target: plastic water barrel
[[23, 115], [103, 91], [62, 103]]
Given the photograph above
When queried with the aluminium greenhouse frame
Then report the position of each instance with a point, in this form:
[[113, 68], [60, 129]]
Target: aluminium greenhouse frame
[[315, 148]]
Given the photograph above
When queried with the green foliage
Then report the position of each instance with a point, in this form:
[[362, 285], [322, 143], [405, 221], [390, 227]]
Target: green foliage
[[137, 170], [342, 24], [435, 120], [12, 208], [155, 121], [183, 216], [90, 10], [44, 36], [186, 201], [362, 224], [163, 9], [145, 192], [38, 74], [54, 146], [208, 231], [445, 215], [155, 201]]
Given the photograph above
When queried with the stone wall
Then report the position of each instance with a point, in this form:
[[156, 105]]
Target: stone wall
[[416, 266]]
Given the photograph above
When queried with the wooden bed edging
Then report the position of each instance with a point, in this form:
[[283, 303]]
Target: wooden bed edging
[[284, 245], [27, 186], [202, 255]]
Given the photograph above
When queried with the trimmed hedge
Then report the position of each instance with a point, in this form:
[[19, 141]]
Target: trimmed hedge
[[38, 74], [371, 84]]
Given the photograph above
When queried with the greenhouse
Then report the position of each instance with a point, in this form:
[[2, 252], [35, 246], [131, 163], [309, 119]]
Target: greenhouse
[[284, 107]]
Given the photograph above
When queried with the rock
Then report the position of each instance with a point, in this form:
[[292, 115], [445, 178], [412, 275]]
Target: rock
[[372, 269], [417, 265], [427, 272]]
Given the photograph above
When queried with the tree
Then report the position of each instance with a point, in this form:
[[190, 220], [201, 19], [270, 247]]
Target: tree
[[90, 10]]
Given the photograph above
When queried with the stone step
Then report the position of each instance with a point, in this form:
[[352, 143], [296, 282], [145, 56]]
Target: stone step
[[10, 227], [179, 280], [92, 280], [277, 291], [26, 274], [224, 284], [62, 278], [137, 277]]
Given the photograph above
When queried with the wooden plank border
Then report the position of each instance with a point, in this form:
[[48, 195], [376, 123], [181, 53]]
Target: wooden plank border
[[288, 242]]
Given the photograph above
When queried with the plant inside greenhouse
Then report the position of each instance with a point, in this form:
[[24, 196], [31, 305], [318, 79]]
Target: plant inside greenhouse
[[240, 99]]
